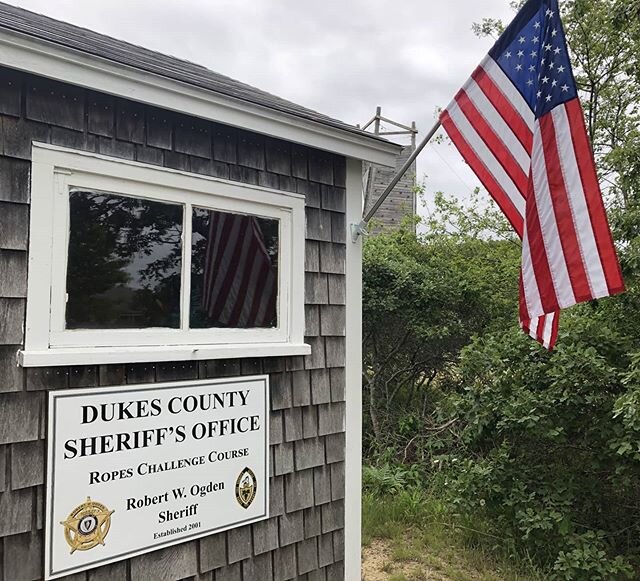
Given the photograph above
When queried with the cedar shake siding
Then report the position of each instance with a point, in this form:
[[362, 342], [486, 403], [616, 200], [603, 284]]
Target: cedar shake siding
[[303, 538], [401, 202]]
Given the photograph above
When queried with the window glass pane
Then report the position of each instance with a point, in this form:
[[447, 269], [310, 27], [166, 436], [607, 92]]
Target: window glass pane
[[125, 260], [234, 270]]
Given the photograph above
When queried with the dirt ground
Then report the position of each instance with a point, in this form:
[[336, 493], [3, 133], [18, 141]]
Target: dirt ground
[[378, 565]]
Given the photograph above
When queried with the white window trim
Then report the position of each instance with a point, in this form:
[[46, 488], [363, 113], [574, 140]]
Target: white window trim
[[55, 169]]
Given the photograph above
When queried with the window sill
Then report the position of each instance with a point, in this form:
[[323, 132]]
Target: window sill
[[106, 355]]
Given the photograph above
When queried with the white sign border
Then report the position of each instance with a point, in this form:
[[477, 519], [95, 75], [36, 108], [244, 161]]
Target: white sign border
[[48, 519]]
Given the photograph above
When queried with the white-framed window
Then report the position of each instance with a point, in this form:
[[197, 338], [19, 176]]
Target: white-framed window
[[131, 262]]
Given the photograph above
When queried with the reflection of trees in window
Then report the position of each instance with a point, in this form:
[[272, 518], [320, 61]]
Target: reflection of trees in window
[[125, 260], [234, 270]]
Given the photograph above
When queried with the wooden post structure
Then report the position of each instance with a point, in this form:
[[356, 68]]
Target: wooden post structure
[[397, 129], [358, 229]]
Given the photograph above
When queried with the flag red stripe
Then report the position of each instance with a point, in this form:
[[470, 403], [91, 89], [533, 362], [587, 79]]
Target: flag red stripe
[[249, 261], [540, 328], [494, 143], [243, 289], [563, 214], [271, 303], [226, 224], [508, 112], [263, 280], [231, 272], [210, 257], [270, 278], [485, 177], [539, 258], [593, 196], [542, 324]]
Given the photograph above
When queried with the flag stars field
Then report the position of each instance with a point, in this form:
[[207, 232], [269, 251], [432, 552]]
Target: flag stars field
[[526, 141]]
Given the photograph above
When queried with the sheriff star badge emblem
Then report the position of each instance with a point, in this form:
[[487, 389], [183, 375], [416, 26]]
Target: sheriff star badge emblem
[[87, 525]]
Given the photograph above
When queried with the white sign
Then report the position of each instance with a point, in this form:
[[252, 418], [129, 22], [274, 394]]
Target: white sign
[[137, 468]]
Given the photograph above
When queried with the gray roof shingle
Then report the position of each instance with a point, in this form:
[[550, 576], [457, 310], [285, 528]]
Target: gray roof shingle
[[102, 46]]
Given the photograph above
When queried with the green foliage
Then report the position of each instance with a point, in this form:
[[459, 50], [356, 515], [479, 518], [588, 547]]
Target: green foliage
[[544, 449], [538, 449], [425, 296], [551, 442], [604, 38], [401, 505], [585, 557], [390, 479], [535, 452]]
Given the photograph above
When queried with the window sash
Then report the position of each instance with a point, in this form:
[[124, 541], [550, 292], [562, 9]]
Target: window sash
[[62, 337], [62, 170]]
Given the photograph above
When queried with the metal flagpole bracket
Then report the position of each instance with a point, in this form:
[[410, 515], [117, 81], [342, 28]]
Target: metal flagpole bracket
[[360, 229]]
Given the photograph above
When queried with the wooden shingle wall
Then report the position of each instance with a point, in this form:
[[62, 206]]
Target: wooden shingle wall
[[304, 538], [402, 199]]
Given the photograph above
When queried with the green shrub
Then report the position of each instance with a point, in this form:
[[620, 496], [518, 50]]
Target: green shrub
[[585, 558]]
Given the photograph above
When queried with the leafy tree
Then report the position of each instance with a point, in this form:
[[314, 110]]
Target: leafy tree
[[540, 449], [425, 296], [552, 441], [548, 446]]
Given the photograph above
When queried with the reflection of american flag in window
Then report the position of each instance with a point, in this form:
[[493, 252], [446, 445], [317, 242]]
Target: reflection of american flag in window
[[240, 283], [519, 125]]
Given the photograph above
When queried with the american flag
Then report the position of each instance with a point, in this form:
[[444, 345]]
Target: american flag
[[519, 125], [240, 283]]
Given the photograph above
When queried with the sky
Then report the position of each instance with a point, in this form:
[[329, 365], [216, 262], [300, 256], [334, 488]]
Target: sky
[[342, 58]]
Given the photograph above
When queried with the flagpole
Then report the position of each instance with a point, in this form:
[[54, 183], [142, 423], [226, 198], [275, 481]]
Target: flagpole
[[358, 229]]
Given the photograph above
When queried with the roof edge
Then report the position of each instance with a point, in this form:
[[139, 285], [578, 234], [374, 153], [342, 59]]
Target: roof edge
[[47, 59]]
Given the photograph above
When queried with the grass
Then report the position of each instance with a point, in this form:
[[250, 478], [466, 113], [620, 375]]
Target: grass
[[422, 539]]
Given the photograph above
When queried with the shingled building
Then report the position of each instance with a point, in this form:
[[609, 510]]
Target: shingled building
[[89, 124]]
